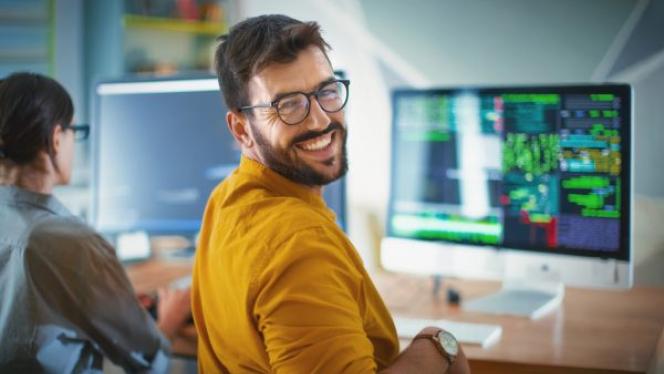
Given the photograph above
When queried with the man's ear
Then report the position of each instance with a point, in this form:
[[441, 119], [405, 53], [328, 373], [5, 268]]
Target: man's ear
[[238, 125]]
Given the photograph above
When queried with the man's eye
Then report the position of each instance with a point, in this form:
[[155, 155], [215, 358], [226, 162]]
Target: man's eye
[[330, 93], [290, 104]]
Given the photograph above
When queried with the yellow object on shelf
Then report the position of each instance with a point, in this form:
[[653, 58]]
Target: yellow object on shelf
[[172, 24]]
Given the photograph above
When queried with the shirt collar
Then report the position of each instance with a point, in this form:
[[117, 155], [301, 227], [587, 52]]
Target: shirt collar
[[38, 200], [281, 185]]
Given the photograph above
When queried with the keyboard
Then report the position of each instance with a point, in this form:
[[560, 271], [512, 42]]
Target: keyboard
[[480, 334]]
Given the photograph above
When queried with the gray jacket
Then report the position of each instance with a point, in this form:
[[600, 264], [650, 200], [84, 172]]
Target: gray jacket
[[65, 300]]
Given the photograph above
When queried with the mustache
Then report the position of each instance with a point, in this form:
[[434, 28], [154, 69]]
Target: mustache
[[314, 134]]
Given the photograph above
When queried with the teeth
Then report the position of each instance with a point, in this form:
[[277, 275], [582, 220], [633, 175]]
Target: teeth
[[318, 143]]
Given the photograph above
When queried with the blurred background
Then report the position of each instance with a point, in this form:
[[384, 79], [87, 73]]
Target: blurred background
[[379, 45]]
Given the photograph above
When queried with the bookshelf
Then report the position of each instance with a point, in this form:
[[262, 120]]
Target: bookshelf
[[174, 39]]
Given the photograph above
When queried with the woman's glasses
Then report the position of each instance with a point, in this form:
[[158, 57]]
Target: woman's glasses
[[81, 131]]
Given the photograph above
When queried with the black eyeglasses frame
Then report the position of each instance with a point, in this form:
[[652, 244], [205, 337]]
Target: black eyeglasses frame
[[81, 131], [275, 103]]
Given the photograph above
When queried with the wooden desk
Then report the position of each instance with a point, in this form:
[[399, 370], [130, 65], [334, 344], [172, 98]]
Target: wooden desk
[[148, 276], [595, 331]]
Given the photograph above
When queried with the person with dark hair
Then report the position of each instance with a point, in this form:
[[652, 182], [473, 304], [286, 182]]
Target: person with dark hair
[[277, 286], [66, 301]]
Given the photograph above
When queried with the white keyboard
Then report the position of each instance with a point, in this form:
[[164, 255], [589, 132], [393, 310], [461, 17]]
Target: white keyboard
[[480, 334]]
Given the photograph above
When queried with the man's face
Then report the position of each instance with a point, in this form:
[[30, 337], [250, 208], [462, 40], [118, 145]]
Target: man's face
[[312, 152]]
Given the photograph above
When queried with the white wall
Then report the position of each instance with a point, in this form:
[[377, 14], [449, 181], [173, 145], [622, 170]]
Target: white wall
[[69, 48], [499, 42], [648, 84], [639, 60]]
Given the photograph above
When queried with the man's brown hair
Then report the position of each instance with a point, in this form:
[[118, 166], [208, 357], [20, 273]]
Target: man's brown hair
[[255, 43]]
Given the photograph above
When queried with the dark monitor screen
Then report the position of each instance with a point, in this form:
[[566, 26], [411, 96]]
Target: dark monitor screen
[[161, 146], [545, 169]]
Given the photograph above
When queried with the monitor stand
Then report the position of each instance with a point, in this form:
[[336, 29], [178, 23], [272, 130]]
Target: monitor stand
[[520, 297]]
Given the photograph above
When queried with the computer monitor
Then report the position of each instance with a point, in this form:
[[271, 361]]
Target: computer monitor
[[160, 147], [525, 183]]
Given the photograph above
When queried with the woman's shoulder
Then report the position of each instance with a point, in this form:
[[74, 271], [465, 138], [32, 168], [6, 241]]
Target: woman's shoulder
[[66, 228], [67, 236]]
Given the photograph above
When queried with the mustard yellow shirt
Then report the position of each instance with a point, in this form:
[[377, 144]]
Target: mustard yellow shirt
[[278, 287]]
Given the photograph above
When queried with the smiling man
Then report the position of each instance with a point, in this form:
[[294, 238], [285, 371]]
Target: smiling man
[[277, 286]]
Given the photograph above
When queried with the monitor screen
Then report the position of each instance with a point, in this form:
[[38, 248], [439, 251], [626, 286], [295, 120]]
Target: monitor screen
[[160, 148], [529, 168]]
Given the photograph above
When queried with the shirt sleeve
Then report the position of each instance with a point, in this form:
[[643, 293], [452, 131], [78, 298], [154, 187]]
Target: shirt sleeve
[[78, 278], [308, 308]]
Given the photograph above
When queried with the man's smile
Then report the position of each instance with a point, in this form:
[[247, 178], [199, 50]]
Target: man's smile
[[318, 143]]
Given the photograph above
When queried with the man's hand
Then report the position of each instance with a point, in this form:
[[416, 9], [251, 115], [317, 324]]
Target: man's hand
[[460, 365], [173, 310], [422, 356]]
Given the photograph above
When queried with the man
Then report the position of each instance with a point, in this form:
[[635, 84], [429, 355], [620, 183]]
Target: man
[[277, 286]]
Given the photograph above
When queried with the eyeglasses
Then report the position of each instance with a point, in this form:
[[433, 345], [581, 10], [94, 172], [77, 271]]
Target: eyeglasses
[[293, 108], [81, 132]]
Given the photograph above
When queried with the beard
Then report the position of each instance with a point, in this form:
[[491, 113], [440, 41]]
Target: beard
[[294, 168]]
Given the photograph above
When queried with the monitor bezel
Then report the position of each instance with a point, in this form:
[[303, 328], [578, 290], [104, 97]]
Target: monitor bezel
[[626, 131]]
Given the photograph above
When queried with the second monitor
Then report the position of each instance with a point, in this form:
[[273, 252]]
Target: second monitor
[[160, 147]]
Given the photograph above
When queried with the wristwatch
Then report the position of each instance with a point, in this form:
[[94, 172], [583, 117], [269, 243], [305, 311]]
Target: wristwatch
[[445, 342]]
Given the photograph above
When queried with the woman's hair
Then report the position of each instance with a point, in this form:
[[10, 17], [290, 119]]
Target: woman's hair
[[31, 106]]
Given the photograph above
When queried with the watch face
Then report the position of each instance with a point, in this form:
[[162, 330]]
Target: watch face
[[449, 343]]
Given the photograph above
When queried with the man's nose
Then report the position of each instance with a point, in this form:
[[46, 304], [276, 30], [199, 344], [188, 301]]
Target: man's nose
[[318, 118]]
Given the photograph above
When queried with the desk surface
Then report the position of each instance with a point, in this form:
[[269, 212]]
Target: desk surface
[[593, 331], [149, 276]]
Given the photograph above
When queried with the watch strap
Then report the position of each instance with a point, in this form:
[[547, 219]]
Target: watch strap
[[433, 337]]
